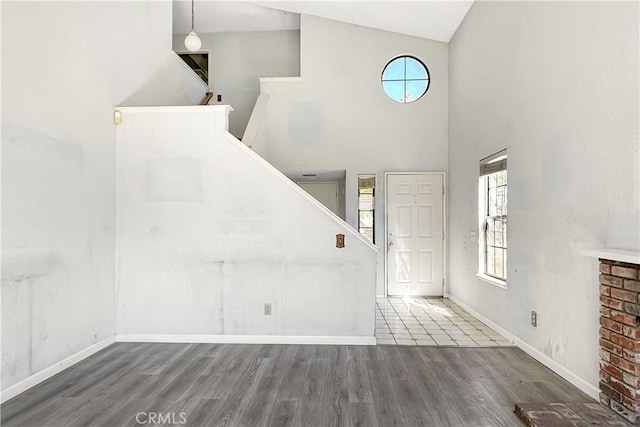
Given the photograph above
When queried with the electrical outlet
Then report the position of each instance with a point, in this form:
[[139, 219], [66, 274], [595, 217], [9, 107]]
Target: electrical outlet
[[534, 319], [267, 309]]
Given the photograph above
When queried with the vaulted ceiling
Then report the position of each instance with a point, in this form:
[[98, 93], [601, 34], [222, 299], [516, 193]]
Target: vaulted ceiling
[[435, 20]]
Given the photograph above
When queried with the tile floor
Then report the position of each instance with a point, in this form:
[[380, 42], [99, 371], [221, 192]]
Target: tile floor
[[431, 322]]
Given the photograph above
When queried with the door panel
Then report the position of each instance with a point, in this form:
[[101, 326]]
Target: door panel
[[424, 188], [415, 238], [404, 220], [403, 273], [426, 266], [425, 213]]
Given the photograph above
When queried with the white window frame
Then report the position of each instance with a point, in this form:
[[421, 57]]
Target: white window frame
[[489, 165], [404, 80], [373, 211]]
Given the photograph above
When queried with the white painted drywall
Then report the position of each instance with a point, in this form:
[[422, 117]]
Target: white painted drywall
[[208, 233], [225, 16], [324, 192], [557, 85], [336, 176], [435, 20], [338, 117], [238, 59], [65, 65]]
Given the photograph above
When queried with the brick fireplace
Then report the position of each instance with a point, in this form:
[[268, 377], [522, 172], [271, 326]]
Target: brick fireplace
[[620, 336]]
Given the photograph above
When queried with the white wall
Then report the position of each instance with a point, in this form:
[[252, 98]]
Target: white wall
[[324, 192], [208, 233], [338, 117], [237, 60], [557, 85], [65, 65]]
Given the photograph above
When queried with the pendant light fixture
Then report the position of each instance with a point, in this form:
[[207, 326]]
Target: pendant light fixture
[[192, 42]]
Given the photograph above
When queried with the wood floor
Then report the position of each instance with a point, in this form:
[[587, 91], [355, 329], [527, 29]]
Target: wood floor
[[278, 385]]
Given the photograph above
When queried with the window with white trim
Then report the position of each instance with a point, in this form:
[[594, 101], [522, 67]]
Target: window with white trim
[[405, 79], [366, 211], [492, 218]]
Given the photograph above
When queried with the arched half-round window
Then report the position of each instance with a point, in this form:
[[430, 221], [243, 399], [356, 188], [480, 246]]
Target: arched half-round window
[[405, 79]]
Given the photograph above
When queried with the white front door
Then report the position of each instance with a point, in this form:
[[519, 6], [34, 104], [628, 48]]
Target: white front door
[[415, 234]]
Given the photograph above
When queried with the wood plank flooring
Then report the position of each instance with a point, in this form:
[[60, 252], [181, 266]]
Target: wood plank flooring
[[290, 385]]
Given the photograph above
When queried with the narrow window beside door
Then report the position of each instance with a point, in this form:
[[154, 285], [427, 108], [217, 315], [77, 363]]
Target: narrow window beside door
[[366, 197], [493, 218]]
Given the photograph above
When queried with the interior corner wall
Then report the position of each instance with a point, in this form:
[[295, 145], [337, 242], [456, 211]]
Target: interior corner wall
[[238, 59], [338, 116], [556, 83], [65, 66]]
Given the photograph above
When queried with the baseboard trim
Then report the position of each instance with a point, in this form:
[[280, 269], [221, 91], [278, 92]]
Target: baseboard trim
[[574, 379], [38, 377], [247, 339], [508, 335]]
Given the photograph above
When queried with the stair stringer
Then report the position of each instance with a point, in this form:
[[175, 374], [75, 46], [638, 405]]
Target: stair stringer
[[287, 181]]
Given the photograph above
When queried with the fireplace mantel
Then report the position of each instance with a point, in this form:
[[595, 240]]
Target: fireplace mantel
[[620, 255]]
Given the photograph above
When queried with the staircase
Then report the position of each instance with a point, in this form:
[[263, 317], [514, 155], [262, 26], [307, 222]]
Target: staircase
[[211, 238]]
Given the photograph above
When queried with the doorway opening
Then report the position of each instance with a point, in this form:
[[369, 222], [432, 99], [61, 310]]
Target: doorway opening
[[326, 186]]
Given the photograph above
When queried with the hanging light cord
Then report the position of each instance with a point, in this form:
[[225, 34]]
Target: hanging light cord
[[192, 13]]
